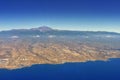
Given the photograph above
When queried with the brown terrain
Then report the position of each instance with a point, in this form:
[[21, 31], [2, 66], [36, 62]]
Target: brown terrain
[[18, 53], [43, 45]]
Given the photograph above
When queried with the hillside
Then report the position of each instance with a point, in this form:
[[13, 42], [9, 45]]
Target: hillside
[[43, 45]]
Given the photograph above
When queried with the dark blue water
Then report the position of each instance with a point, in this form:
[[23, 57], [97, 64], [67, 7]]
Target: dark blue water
[[98, 70]]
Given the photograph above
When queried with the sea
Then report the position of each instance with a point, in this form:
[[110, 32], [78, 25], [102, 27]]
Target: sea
[[91, 70]]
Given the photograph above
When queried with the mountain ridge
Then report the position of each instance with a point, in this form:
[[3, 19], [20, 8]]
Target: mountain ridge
[[47, 28]]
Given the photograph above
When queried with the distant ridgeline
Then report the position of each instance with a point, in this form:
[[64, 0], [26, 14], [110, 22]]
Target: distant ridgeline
[[44, 30]]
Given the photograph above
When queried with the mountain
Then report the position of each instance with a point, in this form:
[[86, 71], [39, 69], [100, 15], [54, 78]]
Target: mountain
[[44, 45], [44, 30]]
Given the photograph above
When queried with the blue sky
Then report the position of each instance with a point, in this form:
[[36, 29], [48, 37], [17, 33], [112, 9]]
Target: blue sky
[[88, 15]]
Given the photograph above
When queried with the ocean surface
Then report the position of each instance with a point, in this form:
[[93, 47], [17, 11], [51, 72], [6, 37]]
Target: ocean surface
[[97, 70]]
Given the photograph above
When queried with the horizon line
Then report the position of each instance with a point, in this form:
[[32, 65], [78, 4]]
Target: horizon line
[[59, 29]]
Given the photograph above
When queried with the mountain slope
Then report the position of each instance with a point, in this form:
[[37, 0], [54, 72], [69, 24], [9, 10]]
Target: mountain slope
[[43, 45], [49, 31]]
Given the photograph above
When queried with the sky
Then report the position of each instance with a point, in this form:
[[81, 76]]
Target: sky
[[86, 15]]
